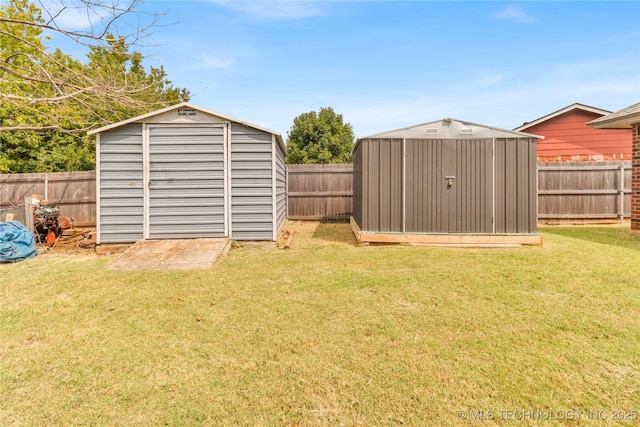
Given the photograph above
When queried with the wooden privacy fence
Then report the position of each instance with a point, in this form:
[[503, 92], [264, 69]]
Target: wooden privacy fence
[[566, 191], [320, 192], [584, 190], [73, 192]]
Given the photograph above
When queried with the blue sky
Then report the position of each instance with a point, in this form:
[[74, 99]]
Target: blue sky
[[390, 64]]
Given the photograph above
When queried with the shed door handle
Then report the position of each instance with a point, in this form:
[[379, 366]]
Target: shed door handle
[[450, 180]]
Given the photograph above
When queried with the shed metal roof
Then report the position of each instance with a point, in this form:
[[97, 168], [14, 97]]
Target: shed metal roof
[[576, 106], [143, 117], [449, 128], [621, 119]]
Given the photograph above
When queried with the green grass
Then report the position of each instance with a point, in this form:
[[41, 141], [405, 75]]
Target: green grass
[[326, 333]]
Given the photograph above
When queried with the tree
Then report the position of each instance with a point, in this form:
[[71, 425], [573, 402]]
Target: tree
[[320, 138], [48, 100], [40, 84]]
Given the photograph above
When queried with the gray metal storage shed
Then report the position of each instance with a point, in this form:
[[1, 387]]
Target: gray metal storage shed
[[447, 177], [187, 172]]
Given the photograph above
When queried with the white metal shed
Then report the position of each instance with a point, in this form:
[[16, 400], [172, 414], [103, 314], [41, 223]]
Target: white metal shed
[[188, 172]]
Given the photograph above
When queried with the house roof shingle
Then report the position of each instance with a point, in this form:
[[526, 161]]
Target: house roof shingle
[[621, 119], [576, 106]]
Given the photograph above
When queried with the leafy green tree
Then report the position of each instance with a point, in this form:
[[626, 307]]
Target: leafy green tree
[[321, 137], [49, 100]]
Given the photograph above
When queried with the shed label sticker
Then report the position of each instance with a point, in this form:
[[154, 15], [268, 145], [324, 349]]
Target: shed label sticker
[[186, 112]]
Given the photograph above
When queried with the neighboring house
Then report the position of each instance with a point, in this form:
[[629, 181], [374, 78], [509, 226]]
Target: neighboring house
[[627, 118], [567, 138]]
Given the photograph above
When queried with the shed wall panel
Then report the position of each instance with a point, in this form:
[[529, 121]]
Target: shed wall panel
[[516, 188], [506, 194], [424, 207], [382, 185], [186, 181], [493, 185], [434, 206], [371, 178], [251, 184], [395, 209], [522, 209], [470, 210], [500, 183], [281, 189], [357, 187], [121, 185], [390, 185]]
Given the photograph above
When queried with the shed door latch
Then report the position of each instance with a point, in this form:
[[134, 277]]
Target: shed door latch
[[450, 180]]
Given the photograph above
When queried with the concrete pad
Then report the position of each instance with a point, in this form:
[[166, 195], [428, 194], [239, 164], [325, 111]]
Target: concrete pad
[[172, 254]]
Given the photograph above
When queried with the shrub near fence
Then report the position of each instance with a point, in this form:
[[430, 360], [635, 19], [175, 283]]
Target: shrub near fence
[[73, 192]]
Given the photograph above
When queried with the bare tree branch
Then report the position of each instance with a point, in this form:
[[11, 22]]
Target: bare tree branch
[[50, 100], [29, 128], [103, 18], [50, 91]]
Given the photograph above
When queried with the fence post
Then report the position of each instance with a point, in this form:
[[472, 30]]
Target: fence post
[[46, 186], [28, 213], [621, 193]]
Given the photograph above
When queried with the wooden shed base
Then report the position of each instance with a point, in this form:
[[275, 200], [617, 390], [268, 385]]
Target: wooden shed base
[[459, 240]]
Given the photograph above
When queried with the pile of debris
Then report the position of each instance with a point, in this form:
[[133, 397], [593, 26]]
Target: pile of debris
[[47, 222], [50, 229]]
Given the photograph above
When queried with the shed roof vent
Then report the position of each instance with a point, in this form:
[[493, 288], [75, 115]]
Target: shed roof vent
[[431, 131], [466, 131]]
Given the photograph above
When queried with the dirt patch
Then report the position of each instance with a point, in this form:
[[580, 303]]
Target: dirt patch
[[319, 233]]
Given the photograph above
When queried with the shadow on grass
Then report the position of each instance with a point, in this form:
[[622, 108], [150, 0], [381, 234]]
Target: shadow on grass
[[616, 236], [336, 232]]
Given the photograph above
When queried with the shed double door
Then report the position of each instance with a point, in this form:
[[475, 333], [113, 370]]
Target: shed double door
[[449, 186], [185, 182]]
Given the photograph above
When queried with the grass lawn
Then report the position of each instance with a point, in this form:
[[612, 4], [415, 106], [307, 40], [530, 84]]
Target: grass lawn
[[329, 333]]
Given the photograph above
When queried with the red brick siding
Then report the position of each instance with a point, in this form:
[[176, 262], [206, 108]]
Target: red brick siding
[[585, 157], [635, 179]]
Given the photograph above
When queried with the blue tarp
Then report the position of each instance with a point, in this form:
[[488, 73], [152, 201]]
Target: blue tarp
[[16, 242]]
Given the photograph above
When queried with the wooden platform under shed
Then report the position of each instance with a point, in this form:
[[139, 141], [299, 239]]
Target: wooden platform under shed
[[451, 240]]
